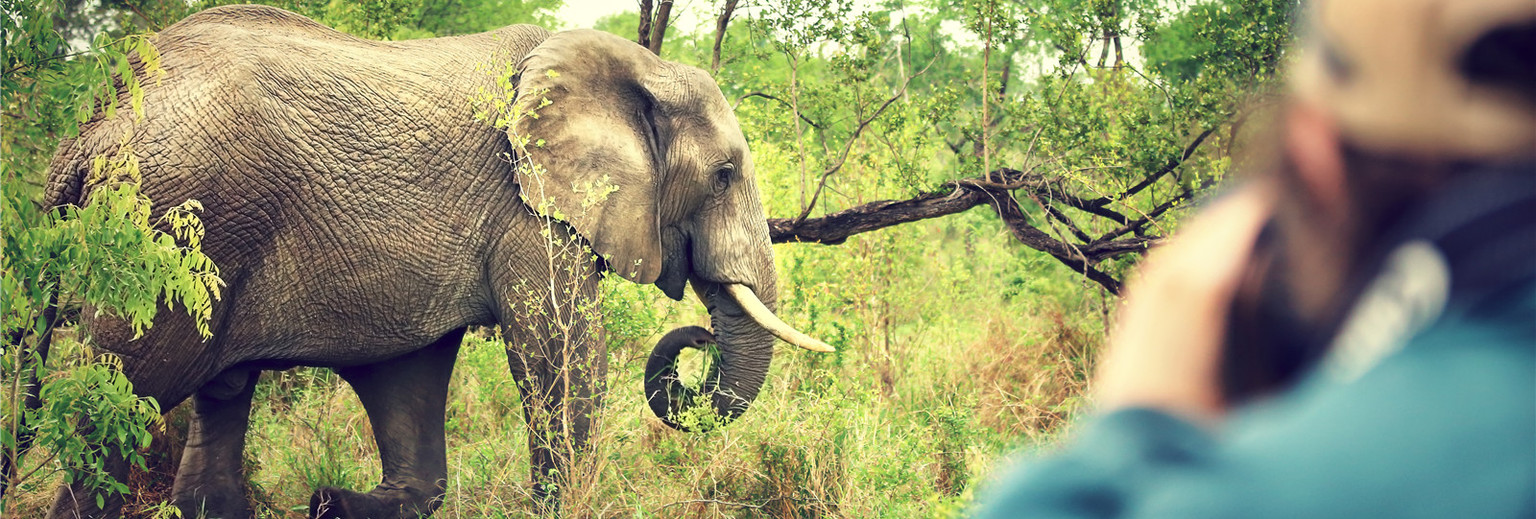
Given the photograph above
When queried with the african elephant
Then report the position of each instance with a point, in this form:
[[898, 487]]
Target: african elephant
[[363, 217]]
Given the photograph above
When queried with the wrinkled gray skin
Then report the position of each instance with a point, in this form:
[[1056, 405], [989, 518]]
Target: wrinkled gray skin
[[362, 219]]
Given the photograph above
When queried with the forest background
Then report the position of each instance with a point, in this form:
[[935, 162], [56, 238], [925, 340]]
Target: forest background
[[956, 190]]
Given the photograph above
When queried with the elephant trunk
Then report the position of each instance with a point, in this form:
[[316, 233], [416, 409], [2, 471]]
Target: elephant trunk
[[744, 331]]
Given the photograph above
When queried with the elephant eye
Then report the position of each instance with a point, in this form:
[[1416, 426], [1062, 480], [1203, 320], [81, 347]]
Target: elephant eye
[[723, 176]]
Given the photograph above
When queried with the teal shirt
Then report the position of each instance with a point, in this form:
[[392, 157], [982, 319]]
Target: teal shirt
[[1443, 428]]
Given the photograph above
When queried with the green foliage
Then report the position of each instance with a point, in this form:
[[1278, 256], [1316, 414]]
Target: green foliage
[[48, 88], [1232, 41], [633, 313], [1093, 124], [451, 17], [405, 19], [113, 256], [89, 416], [952, 423], [109, 255], [327, 460]]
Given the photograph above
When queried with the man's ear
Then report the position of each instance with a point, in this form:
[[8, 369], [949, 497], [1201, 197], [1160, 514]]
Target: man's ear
[[1313, 149]]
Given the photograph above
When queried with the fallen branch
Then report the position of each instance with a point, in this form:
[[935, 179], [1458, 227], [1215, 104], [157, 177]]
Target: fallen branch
[[835, 228], [996, 189]]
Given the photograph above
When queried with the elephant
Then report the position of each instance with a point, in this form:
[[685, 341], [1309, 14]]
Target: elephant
[[363, 217]]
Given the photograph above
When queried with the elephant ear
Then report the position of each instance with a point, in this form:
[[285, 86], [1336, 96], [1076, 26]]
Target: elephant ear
[[590, 146]]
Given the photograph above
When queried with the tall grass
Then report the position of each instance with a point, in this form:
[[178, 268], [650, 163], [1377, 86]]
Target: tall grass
[[955, 349]]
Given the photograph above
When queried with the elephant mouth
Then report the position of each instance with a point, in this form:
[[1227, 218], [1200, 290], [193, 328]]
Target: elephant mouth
[[749, 305]]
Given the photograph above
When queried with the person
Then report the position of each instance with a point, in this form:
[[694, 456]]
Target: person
[[1390, 256]]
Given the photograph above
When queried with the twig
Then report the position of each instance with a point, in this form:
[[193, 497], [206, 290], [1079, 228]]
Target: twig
[[781, 101], [715, 502], [1169, 167], [847, 147]]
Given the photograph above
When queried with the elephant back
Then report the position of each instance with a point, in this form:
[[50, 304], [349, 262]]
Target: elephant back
[[322, 161], [262, 76]]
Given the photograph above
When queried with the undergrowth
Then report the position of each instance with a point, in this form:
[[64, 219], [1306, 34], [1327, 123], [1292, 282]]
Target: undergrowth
[[944, 366]]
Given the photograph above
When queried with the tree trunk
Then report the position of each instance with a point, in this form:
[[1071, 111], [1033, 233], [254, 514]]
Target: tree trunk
[[720, 25], [644, 38], [659, 26]]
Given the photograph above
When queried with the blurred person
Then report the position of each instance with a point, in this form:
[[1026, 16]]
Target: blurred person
[[1354, 334]]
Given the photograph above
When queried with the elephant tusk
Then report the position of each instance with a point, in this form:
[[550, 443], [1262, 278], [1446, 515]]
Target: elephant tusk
[[765, 318]]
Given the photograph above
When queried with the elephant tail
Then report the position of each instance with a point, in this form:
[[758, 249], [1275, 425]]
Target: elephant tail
[[33, 361], [71, 166], [70, 171]]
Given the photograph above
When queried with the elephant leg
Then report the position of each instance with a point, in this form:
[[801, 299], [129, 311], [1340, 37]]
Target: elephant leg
[[547, 289], [559, 386], [147, 374], [78, 502], [211, 479], [405, 398]]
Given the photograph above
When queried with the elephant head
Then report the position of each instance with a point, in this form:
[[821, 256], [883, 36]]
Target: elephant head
[[644, 159]]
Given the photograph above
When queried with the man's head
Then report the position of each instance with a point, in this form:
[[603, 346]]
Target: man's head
[[1391, 103], [1389, 100]]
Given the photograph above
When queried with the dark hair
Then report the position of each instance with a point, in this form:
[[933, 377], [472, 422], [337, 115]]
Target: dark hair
[[1505, 58]]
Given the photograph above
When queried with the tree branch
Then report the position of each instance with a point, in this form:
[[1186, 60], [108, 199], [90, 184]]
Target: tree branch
[[55, 57], [1166, 169], [1141, 223], [835, 228], [1075, 259], [781, 101]]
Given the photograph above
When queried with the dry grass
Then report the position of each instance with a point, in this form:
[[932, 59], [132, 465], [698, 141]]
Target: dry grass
[[931, 388], [1030, 378]]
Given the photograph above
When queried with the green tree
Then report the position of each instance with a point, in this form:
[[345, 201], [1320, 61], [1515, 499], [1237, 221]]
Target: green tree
[[1082, 124], [113, 255]]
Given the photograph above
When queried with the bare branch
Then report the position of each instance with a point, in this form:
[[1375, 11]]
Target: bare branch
[[1059, 216], [1140, 223], [1167, 168], [781, 101], [1013, 217], [848, 146], [835, 228], [1010, 179]]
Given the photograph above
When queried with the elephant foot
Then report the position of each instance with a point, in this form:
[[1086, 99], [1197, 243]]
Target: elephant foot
[[226, 504], [80, 503], [546, 500], [381, 503]]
